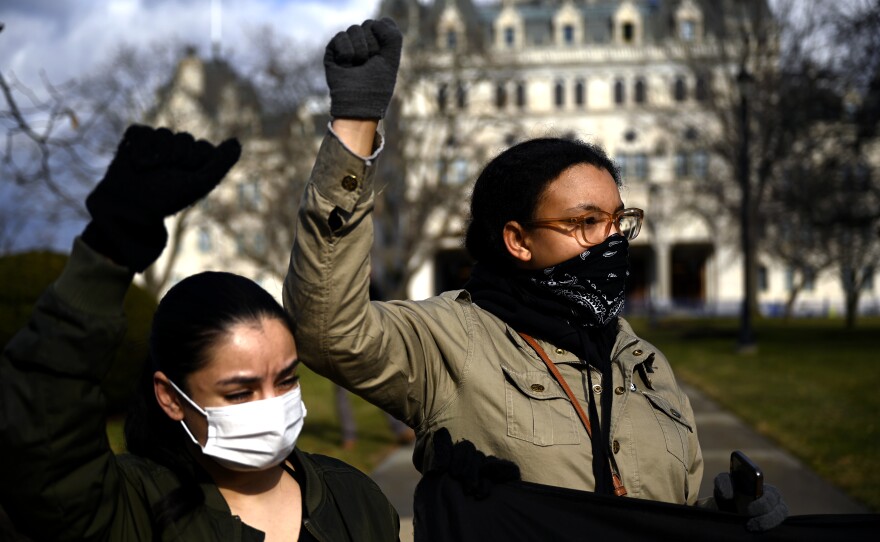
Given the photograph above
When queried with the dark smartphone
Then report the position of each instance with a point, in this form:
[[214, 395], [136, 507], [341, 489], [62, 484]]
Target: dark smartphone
[[748, 480]]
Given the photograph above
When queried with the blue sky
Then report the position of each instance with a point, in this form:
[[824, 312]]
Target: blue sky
[[66, 38]]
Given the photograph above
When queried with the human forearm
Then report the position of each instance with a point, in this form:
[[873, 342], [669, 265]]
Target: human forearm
[[356, 134]]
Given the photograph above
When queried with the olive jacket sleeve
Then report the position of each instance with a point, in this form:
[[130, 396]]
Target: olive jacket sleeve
[[59, 479]]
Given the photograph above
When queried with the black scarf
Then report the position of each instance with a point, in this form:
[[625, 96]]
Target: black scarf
[[517, 299]]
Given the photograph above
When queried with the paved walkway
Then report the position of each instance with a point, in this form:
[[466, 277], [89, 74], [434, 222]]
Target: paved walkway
[[720, 433]]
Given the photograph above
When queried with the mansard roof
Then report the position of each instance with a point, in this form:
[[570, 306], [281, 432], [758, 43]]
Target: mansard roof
[[658, 17]]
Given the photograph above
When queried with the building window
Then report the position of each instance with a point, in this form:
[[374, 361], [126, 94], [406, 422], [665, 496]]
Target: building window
[[521, 95], [629, 32], [619, 92], [679, 92], [700, 164], [640, 166], [451, 40], [461, 96], [205, 244], [688, 30], [509, 36], [559, 95], [632, 166], [809, 279], [701, 90], [568, 34], [239, 244], [579, 94], [249, 197], [639, 93], [681, 165], [868, 284], [763, 280], [454, 172], [500, 96], [441, 97], [260, 244]]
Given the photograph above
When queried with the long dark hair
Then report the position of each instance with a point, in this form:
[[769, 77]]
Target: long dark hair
[[195, 315], [511, 185]]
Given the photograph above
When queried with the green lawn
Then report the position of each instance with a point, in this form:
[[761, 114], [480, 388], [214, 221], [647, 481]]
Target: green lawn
[[812, 386]]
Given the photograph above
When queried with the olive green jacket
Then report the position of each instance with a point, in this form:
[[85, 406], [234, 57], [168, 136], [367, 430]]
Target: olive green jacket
[[59, 480], [445, 362]]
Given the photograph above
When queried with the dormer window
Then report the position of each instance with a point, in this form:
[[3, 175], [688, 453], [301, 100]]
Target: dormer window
[[568, 34], [689, 22], [568, 25], [451, 30], [627, 23], [628, 32], [509, 37], [451, 40], [687, 30]]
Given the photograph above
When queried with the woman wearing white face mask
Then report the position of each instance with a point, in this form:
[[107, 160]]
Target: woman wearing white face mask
[[212, 431]]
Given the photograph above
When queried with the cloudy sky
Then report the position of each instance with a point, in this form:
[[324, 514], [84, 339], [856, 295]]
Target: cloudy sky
[[65, 37]]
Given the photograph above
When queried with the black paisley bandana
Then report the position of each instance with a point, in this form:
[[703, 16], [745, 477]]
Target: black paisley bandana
[[592, 283]]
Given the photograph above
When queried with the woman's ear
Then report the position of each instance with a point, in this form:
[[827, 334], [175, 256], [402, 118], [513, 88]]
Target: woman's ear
[[516, 241], [166, 395]]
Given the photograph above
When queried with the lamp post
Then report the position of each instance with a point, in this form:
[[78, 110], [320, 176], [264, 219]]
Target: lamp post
[[746, 339]]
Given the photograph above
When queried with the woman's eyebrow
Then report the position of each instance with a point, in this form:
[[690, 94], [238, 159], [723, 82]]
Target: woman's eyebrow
[[593, 207], [244, 380], [291, 367]]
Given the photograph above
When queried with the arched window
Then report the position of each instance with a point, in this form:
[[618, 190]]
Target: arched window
[[701, 91], [461, 96], [639, 91], [619, 92], [579, 93], [441, 97], [559, 95], [500, 96], [521, 95], [679, 91]]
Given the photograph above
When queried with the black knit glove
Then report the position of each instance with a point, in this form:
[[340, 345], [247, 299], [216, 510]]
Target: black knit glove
[[764, 513], [154, 174], [361, 68], [476, 471]]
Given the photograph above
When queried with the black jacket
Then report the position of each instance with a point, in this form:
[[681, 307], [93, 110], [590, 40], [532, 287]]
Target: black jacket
[[59, 479]]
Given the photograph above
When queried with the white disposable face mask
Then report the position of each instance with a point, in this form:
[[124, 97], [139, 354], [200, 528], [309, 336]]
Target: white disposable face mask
[[254, 435]]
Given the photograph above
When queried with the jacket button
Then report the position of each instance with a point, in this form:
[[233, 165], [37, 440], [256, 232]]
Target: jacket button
[[560, 351], [597, 388], [349, 182], [637, 352], [537, 387], [615, 446], [618, 390]]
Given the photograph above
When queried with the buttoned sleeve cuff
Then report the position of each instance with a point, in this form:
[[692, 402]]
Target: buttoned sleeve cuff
[[91, 282], [342, 176]]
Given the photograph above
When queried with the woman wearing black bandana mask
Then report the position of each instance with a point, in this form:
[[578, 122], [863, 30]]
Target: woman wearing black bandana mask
[[558, 269], [550, 234]]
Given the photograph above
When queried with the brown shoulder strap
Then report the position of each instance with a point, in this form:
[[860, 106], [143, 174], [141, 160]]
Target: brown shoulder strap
[[619, 489]]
